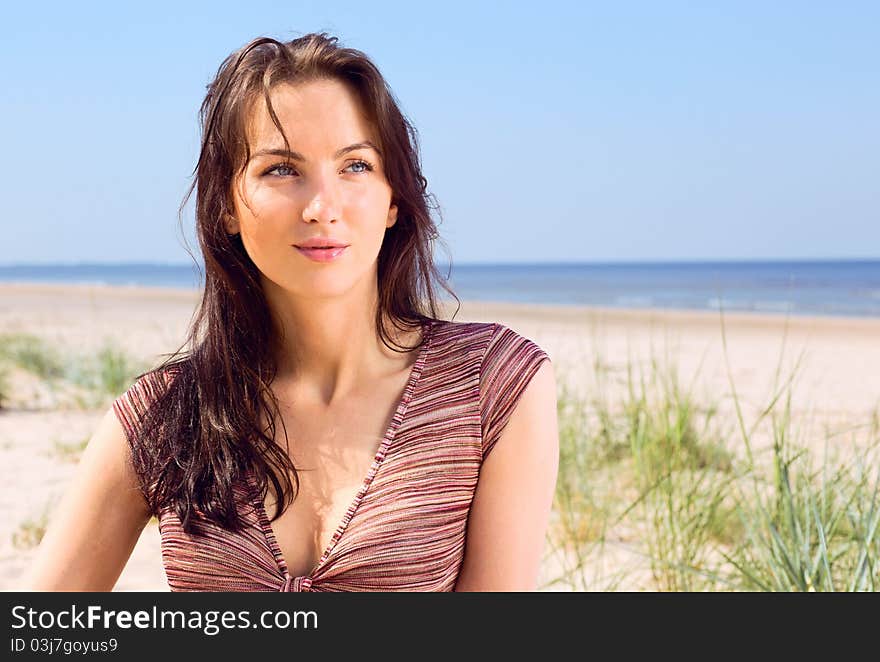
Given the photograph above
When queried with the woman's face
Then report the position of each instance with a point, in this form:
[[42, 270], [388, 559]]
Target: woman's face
[[331, 185]]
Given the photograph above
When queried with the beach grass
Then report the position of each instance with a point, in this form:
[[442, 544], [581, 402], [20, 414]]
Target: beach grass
[[657, 474], [582, 511], [84, 380], [812, 525], [30, 532], [5, 385], [32, 354], [104, 374], [68, 451], [649, 472]]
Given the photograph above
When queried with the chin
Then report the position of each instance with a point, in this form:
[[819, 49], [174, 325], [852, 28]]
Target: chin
[[323, 287]]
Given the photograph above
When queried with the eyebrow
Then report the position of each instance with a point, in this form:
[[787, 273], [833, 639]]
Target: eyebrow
[[296, 156]]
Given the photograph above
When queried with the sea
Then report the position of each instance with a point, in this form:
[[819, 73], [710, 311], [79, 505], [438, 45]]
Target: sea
[[838, 288]]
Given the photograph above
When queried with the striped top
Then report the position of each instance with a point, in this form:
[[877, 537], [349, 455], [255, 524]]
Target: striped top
[[405, 530]]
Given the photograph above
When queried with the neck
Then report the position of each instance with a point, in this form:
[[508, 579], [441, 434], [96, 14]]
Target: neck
[[329, 348]]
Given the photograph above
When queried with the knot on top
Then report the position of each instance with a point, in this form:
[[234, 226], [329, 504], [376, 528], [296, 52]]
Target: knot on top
[[295, 584]]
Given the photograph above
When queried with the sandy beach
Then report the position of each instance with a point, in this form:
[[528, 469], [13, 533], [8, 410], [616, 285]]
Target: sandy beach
[[837, 385]]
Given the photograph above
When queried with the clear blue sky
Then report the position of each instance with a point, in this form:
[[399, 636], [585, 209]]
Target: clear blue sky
[[550, 131]]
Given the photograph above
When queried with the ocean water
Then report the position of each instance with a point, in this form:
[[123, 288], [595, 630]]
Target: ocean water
[[833, 288]]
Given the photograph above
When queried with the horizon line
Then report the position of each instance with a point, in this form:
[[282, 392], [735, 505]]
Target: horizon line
[[653, 261]]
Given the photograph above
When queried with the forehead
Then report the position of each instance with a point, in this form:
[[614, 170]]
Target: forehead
[[311, 114]]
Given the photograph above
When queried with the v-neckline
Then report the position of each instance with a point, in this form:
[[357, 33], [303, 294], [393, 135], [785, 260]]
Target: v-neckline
[[390, 433]]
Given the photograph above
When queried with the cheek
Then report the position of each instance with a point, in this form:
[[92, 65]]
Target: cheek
[[369, 206], [265, 217], [266, 203], [263, 241]]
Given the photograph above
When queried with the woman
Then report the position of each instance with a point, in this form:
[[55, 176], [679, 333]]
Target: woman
[[318, 386]]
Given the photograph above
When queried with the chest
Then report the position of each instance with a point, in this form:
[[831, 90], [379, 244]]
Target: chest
[[408, 531], [333, 452]]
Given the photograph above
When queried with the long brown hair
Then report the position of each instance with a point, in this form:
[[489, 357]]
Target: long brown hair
[[204, 431]]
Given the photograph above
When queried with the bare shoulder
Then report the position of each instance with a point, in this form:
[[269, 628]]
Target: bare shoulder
[[534, 406], [109, 449], [531, 437], [511, 507]]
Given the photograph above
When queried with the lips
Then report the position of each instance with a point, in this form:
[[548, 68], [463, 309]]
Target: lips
[[322, 254], [321, 242]]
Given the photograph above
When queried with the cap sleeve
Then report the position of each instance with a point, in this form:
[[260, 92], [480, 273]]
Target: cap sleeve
[[508, 366], [131, 407]]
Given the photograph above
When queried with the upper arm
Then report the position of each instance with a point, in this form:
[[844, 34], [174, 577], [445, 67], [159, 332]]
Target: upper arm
[[510, 511], [98, 521]]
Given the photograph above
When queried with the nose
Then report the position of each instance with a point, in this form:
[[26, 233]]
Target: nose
[[322, 204]]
